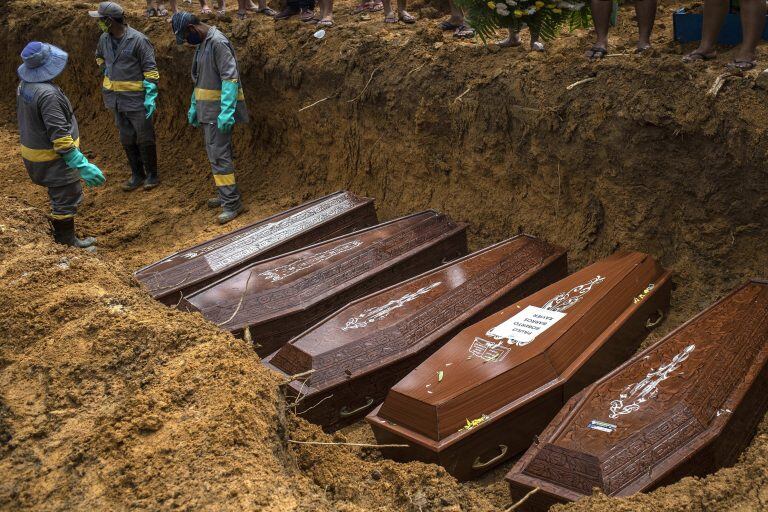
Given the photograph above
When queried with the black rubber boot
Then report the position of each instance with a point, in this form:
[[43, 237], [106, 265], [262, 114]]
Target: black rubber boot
[[149, 159], [214, 202], [228, 215], [137, 168], [64, 233]]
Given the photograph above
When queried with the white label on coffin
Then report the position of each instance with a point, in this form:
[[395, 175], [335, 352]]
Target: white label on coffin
[[525, 326]]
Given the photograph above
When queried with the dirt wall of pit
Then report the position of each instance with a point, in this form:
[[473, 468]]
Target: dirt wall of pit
[[638, 159]]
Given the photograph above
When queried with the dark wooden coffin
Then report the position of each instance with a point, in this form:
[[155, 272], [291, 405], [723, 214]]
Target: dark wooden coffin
[[358, 353], [189, 270], [686, 406], [272, 301], [482, 397]]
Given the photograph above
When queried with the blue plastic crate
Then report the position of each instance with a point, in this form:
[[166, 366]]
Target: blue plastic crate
[[687, 28]]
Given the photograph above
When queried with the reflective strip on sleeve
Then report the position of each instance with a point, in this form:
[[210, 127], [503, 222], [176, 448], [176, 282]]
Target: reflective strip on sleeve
[[62, 216], [99, 61], [121, 86], [64, 143], [215, 94], [152, 75], [223, 180], [42, 155]]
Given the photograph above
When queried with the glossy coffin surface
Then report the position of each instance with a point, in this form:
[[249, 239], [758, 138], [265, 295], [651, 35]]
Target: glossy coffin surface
[[483, 396], [191, 269], [360, 352], [686, 406], [279, 298]]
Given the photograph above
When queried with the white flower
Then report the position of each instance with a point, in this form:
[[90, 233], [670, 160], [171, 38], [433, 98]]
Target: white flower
[[531, 10], [502, 9], [577, 7], [511, 3]]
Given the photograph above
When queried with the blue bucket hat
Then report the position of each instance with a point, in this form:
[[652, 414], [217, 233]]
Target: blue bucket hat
[[179, 23], [42, 62]]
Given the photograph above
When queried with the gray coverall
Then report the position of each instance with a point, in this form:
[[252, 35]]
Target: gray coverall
[[213, 62], [122, 87], [48, 129]]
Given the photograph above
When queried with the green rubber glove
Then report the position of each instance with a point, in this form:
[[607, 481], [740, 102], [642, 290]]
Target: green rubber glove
[[192, 113], [91, 174], [150, 97], [226, 119]]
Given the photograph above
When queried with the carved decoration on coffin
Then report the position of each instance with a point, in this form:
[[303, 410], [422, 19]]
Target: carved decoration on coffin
[[219, 253], [279, 273], [565, 300], [444, 309], [574, 470], [371, 315], [637, 394], [350, 267]]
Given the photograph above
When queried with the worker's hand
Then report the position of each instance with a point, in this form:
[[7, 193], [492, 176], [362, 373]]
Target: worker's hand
[[91, 175], [192, 116], [225, 123], [150, 97]]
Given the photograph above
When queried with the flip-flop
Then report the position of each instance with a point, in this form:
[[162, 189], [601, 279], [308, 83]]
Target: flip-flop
[[376, 7], [447, 25], [698, 56], [741, 65], [221, 12], [537, 46], [407, 18], [363, 7], [596, 53], [162, 12], [642, 49], [206, 10], [267, 11], [325, 23], [464, 32], [390, 19]]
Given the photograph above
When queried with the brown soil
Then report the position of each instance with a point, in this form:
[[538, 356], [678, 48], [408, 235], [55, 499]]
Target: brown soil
[[111, 401]]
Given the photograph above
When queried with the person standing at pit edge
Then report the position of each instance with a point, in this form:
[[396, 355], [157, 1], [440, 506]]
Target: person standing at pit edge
[[217, 103], [127, 60], [50, 139]]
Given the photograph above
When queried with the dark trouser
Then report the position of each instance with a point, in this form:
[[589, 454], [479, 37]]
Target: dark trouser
[[135, 128], [218, 145], [65, 200], [301, 4]]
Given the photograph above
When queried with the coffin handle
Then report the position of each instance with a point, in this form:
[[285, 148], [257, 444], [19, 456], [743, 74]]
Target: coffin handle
[[345, 412], [650, 324], [480, 465]]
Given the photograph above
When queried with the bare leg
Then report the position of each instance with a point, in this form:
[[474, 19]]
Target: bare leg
[[405, 16], [536, 45], [752, 22], [388, 14], [242, 7], [646, 14], [513, 39], [172, 3], [601, 14], [204, 7], [714, 14], [457, 15], [328, 14]]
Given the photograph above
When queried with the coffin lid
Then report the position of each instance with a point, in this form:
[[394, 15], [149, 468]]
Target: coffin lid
[[399, 321], [201, 262], [295, 281], [487, 370], [639, 422]]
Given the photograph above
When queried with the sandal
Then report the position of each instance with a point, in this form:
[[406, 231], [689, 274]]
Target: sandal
[[596, 53], [407, 18], [377, 6], [447, 25], [697, 55], [325, 22], [307, 16], [643, 49], [464, 32], [267, 11], [741, 65], [363, 7], [390, 19], [206, 10], [162, 12], [221, 13]]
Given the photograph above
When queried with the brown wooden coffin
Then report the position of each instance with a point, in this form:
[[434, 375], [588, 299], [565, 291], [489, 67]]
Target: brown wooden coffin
[[279, 298], [358, 353], [191, 269], [482, 397], [685, 406]]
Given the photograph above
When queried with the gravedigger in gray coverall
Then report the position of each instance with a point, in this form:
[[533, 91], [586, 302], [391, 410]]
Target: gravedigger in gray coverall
[[127, 60], [217, 103], [50, 139]]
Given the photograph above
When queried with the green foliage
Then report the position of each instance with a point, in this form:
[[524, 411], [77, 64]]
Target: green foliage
[[547, 19]]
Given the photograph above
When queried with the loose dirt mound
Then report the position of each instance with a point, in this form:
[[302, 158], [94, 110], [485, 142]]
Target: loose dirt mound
[[108, 400]]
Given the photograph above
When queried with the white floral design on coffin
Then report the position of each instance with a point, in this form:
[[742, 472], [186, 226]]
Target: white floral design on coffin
[[635, 395], [283, 271], [565, 300], [372, 315]]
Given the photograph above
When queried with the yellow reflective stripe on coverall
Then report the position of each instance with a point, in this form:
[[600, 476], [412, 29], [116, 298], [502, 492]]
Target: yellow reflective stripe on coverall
[[224, 180], [121, 86], [45, 155]]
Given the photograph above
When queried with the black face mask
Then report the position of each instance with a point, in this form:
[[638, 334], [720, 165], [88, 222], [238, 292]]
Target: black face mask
[[193, 37]]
